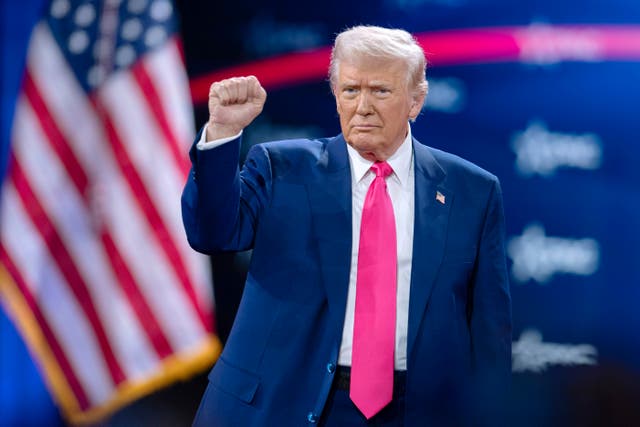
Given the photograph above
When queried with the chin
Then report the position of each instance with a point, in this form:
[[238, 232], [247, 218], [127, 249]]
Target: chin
[[363, 142], [361, 147]]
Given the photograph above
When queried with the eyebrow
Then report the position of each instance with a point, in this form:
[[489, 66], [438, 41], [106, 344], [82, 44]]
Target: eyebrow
[[373, 84]]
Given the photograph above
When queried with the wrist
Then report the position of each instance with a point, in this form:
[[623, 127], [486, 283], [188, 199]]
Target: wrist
[[217, 131]]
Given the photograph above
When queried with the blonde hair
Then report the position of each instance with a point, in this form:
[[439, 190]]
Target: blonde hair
[[384, 43]]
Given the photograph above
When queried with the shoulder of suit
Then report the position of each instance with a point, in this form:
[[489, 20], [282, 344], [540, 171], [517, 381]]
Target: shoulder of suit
[[294, 156], [297, 146], [460, 168], [295, 150]]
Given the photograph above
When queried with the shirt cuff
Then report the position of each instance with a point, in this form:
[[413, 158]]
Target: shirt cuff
[[203, 144]]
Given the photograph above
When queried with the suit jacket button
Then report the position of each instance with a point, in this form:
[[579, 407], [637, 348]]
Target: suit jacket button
[[312, 418], [331, 368]]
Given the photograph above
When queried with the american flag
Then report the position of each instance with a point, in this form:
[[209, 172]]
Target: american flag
[[95, 269]]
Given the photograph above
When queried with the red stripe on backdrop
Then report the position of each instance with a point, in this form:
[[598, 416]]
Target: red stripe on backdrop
[[445, 48], [118, 265], [621, 42], [157, 227], [154, 103], [273, 72], [67, 267], [49, 336], [471, 46]]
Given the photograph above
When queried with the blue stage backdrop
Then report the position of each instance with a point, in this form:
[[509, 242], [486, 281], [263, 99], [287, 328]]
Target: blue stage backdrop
[[543, 94]]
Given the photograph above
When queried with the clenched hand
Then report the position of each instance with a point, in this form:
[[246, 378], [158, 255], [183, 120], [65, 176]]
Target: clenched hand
[[233, 104]]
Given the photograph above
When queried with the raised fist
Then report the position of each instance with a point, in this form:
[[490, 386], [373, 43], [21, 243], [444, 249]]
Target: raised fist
[[233, 104]]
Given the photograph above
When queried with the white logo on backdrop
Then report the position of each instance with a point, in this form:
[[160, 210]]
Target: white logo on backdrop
[[532, 354], [543, 44], [538, 257], [447, 95], [541, 151], [266, 36]]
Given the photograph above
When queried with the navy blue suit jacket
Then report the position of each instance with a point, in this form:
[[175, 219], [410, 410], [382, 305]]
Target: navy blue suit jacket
[[291, 203]]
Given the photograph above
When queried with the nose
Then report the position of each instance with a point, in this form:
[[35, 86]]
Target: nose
[[364, 104]]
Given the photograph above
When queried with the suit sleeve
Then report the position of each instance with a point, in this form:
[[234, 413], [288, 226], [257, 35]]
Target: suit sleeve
[[221, 204], [491, 312]]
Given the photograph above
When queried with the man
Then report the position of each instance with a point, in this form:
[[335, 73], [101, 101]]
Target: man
[[377, 292]]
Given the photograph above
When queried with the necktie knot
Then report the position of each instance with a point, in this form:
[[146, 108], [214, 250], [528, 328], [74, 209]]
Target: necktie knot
[[382, 169]]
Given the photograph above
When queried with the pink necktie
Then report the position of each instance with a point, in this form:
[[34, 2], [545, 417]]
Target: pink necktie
[[371, 385]]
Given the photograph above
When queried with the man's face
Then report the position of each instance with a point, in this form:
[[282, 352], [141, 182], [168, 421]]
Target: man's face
[[375, 104]]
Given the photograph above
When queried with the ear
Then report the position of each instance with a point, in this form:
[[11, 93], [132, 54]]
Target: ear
[[416, 106], [418, 101]]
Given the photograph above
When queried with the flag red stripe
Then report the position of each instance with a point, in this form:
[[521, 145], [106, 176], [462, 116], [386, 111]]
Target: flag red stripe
[[180, 47], [50, 337], [156, 225], [77, 173], [65, 263], [154, 103], [54, 136], [136, 299]]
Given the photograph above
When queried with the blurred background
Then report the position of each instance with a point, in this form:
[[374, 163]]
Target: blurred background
[[543, 94]]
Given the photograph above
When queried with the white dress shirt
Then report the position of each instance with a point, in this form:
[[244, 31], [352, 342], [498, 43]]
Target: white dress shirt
[[400, 185]]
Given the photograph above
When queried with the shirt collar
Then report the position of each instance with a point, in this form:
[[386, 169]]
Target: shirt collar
[[400, 161]]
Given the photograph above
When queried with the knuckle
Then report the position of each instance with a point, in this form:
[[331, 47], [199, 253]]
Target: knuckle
[[215, 88]]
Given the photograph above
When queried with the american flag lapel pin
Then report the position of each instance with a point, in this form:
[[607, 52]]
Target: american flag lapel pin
[[440, 197]]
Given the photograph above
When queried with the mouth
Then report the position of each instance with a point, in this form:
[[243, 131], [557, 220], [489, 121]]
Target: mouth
[[364, 127]]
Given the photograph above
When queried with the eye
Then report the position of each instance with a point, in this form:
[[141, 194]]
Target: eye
[[350, 91], [383, 91]]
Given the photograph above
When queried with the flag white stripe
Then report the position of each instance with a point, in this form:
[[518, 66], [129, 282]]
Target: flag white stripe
[[164, 66], [56, 301], [146, 147], [150, 154], [67, 102], [69, 214], [155, 164], [174, 311]]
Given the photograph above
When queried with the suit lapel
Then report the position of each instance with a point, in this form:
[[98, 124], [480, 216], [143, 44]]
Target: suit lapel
[[429, 235], [330, 199]]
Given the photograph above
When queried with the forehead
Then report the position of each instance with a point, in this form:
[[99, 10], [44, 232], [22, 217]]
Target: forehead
[[372, 69]]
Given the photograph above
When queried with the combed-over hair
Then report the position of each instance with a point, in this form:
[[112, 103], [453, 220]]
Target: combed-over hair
[[370, 41]]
